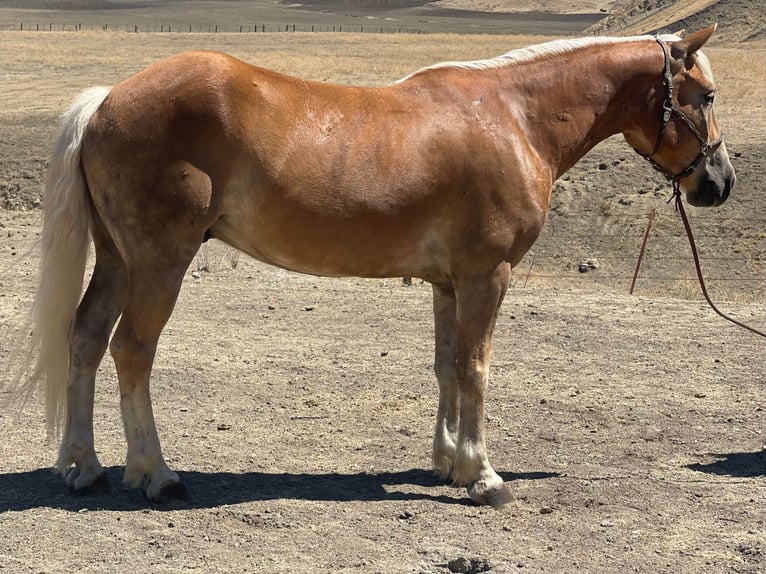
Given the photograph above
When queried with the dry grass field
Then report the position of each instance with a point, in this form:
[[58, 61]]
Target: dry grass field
[[299, 410], [56, 66], [232, 15]]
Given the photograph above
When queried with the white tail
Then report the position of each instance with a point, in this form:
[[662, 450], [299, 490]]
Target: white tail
[[64, 243]]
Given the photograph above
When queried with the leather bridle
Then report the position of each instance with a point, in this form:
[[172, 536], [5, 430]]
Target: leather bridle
[[669, 108]]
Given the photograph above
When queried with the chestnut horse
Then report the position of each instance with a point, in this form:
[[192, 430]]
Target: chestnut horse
[[445, 175]]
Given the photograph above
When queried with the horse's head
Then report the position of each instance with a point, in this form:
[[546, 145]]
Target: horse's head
[[681, 137]]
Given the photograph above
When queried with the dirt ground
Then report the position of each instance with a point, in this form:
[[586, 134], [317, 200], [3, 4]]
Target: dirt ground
[[299, 410], [299, 413]]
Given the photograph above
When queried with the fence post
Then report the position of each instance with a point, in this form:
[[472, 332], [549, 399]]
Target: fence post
[[643, 248]]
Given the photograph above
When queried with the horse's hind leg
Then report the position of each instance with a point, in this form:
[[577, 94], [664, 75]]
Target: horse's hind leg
[[93, 323], [155, 281]]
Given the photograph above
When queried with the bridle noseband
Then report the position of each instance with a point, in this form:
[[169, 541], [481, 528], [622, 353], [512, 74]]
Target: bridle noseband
[[668, 109]]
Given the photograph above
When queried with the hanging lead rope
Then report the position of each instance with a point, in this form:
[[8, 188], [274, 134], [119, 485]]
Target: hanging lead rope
[[682, 211]]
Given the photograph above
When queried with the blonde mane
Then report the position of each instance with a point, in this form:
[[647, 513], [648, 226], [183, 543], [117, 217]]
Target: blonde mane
[[553, 48]]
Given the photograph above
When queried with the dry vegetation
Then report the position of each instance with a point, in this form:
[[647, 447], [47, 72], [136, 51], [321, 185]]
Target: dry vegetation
[[553, 6], [230, 15], [56, 66]]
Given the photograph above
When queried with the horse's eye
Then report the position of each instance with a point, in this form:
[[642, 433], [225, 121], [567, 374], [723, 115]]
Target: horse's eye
[[709, 98]]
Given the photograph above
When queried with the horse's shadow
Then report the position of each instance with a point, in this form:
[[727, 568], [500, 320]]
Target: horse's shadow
[[42, 489], [739, 464]]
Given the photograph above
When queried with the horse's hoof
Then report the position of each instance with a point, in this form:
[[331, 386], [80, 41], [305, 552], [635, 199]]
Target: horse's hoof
[[99, 486], [497, 497], [171, 492], [501, 497]]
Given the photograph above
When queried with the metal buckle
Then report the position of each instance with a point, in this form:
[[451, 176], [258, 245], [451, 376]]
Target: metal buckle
[[667, 106]]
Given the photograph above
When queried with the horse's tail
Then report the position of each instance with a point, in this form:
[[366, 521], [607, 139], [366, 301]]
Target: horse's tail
[[64, 244]]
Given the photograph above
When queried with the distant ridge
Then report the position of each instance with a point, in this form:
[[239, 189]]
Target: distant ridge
[[738, 20]]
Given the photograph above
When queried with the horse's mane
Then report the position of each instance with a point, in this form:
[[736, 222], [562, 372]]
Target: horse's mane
[[553, 48]]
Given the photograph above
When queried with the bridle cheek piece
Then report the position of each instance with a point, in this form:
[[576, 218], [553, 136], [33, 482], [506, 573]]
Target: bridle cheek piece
[[668, 109]]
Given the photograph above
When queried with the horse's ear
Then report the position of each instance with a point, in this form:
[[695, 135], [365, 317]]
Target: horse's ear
[[693, 42]]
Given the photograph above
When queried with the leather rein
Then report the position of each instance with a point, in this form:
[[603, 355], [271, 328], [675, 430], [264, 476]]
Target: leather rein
[[707, 148]]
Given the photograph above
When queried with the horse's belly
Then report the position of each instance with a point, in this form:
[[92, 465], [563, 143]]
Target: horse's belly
[[331, 248]]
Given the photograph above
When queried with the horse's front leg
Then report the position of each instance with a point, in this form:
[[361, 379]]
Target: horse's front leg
[[445, 367], [478, 301]]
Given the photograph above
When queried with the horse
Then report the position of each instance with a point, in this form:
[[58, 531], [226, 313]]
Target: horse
[[445, 175]]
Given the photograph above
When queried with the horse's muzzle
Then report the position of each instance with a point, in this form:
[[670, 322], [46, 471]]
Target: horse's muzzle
[[711, 192], [714, 186]]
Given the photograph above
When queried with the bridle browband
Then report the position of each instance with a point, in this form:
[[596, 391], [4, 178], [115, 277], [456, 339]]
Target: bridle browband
[[668, 109]]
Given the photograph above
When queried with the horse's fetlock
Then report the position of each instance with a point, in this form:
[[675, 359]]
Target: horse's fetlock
[[133, 477], [71, 452], [442, 466]]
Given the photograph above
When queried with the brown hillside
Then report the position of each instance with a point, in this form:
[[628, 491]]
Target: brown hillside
[[738, 20]]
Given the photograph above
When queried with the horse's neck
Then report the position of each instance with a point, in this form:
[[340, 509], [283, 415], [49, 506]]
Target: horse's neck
[[576, 102]]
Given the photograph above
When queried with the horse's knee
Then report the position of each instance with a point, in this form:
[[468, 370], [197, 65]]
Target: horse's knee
[[131, 354], [445, 372]]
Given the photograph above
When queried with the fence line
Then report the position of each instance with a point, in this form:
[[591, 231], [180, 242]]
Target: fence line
[[209, 28]]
